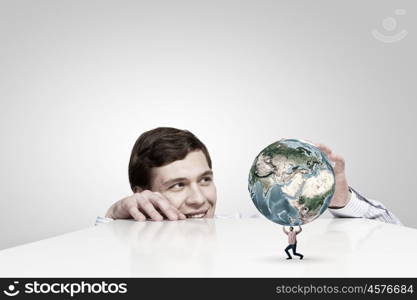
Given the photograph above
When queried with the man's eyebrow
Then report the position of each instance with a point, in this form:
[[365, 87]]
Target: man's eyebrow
[[207, 173], [172, 181], [175, 180]]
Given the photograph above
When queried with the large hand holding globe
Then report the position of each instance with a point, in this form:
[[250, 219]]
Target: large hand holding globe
[[341, 195], [291, 182]]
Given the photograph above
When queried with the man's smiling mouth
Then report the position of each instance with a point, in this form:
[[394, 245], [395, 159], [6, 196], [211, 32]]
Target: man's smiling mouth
[[196, 215]]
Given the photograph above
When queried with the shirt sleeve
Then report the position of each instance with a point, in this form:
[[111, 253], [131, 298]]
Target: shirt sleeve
[[361, 207], [102, 220]]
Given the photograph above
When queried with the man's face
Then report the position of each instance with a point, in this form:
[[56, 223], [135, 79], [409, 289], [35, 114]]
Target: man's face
[[188, 185]]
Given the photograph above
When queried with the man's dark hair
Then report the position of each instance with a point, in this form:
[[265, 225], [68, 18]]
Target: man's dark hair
[[159, 147]]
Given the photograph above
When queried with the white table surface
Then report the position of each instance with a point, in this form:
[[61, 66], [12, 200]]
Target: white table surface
[[252, 247]]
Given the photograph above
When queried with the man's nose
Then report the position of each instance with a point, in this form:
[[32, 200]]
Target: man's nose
[[196, 197]]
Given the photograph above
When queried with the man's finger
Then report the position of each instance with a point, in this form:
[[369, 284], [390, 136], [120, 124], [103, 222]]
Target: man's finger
[[339, 162], [147, 207], [165, 206], [328, 153], [136, 214], [168, 203], [324, 148]]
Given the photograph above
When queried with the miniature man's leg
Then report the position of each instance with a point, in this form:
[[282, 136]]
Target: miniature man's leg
[[294, 251], [288, 253]]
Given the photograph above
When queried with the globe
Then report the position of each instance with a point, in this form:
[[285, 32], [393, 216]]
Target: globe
[[291, 182]]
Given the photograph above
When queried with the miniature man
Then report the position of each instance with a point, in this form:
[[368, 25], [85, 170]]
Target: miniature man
[[292, 241]]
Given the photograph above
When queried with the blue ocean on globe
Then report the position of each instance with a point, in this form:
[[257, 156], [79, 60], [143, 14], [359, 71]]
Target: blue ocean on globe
[[291, 182]]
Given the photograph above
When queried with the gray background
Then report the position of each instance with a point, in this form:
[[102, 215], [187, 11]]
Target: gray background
[[80, 80]]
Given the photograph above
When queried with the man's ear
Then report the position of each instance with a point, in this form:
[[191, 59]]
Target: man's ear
[[137, 189]]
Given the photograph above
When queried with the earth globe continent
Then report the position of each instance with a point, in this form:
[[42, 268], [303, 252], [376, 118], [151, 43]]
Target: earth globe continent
[[291, 182]]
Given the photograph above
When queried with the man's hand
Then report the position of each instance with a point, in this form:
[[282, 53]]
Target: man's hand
[[145, 205], [342, 194]]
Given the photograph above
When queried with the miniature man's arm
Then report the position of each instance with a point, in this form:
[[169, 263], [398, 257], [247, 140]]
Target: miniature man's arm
[[283, 228], [299, 230]]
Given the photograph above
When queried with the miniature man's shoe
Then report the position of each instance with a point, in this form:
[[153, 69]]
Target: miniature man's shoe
[[289, 257], [301, 257]]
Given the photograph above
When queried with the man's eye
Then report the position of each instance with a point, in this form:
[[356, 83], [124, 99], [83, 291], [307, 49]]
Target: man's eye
[[177, 186], [207, 179]]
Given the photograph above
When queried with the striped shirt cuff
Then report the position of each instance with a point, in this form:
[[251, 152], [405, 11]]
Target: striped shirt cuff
[[361, 207], [102, 220], [355, 208]]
